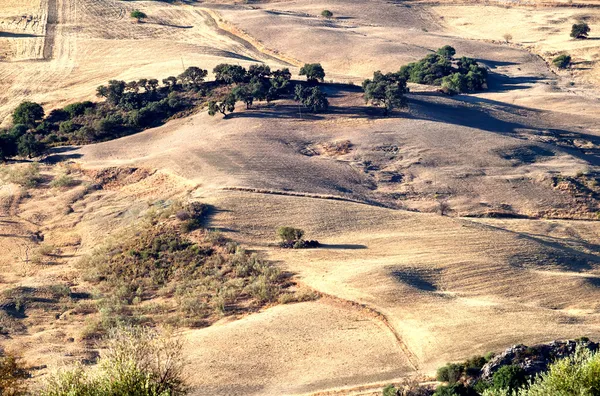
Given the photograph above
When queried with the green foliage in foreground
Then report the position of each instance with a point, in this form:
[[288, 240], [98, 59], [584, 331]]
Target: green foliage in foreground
[[136, 362], [578, 374]]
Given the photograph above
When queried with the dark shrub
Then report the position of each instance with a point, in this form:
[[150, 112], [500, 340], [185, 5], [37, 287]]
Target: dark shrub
[[450, 373], [580, 30], [28, 113], [509, 377], [562, 61]]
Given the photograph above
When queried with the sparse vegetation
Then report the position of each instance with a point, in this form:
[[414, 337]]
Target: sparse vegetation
[[12, 375], [580, 30], [63, 181], [562, 61], [25, 175], [208, 276], [507, 37], [136, 361]]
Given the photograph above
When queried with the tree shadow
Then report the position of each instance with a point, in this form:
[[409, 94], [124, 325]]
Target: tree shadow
[[279, 111], [560, 253], [54, 159], [497, 82], [342, 246], [451, 110], [417, 278], [19, 35], [494, 64]]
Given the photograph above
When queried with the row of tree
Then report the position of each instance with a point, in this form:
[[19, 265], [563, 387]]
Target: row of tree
[[136, 105]]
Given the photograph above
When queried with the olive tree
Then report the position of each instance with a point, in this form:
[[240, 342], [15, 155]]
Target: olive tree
[[580, 30], [386, 90], [313, 71]]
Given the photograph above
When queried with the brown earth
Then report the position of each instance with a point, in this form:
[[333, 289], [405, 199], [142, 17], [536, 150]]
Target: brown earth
[[404, 289]]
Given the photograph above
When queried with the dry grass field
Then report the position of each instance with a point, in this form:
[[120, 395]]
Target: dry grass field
[[402, 290]]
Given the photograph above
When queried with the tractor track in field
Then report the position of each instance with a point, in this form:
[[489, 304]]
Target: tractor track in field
[[50, 36]]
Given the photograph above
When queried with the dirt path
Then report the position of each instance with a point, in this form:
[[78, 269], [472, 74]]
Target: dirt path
[[371, 312], [225, 28]]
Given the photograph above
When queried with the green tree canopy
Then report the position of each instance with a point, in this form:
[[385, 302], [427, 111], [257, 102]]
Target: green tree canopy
[[244, 93], [28, 113], [192, 77], [386, 90], [29, 146], [313, 71], [580, 30], [446, 51], [312, 98], [224, 106], [229, 74]]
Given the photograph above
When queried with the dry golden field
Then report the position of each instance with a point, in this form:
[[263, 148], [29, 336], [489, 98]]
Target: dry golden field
[[402, 289]]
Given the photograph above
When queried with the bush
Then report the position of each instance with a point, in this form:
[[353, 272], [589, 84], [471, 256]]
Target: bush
[[12, 376], [136, 362], [326, 14], [562, 61], [510, 377], [290, 234], [24, 175], [454, 390], [450, 373], [580, 30], [139, 15], [63, 181]]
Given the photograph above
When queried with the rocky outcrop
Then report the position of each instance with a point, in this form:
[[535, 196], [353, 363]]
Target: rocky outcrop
[[533, 359]]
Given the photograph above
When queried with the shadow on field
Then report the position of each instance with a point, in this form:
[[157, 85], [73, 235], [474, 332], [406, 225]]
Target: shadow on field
[[497, 117], [18, 35], [342, 246], [573, 255]]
